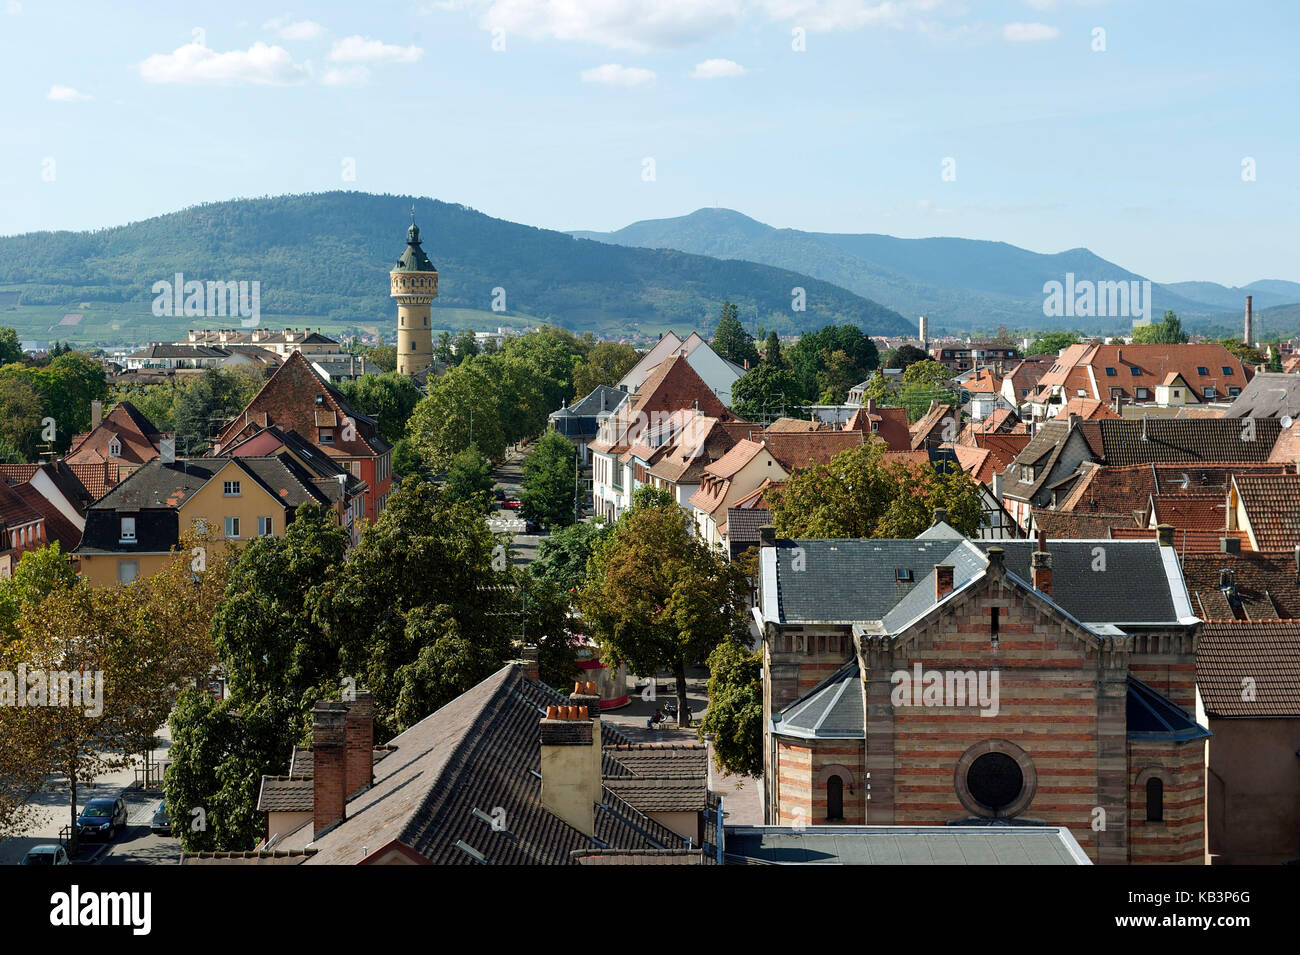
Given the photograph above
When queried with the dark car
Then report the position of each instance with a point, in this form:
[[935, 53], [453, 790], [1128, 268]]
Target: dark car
[[102, 818], [532, 527], [160, 823]]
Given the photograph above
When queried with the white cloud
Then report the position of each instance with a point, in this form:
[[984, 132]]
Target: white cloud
[[612, 74], [359, 49], [642, 25], [13, 8], [66, 94], [717, 69], [346, 76], [193, 63], [1029, 32], [1041, 4], [302, 30]]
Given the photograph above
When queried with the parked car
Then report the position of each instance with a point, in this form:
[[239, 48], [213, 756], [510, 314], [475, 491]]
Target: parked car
[[160, 823], [103, 817], [512, 504], [532, 527], [46, 854]]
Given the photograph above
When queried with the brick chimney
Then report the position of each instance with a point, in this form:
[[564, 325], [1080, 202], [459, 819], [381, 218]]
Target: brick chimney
[[571, 779], [329, 764], [360, 734], [1040, 565], [940, 516], [96, 414], [943, 580]]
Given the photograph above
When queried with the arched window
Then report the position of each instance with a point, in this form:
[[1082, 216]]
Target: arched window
[[1155, 800], [834, 798]]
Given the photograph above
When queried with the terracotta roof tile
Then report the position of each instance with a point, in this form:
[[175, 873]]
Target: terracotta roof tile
[[1266, 652], [1272, 506]]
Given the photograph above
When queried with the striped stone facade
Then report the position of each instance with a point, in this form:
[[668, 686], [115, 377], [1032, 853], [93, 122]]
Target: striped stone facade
[[1061, 715]]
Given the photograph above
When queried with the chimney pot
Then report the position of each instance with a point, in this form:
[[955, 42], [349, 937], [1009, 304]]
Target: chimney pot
[[767, 535], [591, 688], [940, 516], [1165, 535], [1040, 569], [551, 713]]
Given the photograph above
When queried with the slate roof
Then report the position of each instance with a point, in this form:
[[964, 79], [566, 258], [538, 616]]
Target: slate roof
[[1267, 652], [600, 400], [159, 350], [158, 485], [1272, 506], [658, 759], [903, 845], [1152, 716], [852, 581], [743, 524], [413, 258], [478, 752], [832, 710], [1269, 395]]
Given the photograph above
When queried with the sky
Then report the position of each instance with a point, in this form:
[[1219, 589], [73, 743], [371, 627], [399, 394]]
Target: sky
[[1160, 135]]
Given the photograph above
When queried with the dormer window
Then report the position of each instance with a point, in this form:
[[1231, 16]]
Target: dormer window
[[115, 448], [326, 436], [127, 535]]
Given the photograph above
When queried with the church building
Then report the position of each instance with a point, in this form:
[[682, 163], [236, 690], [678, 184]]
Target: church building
[[951, 682]]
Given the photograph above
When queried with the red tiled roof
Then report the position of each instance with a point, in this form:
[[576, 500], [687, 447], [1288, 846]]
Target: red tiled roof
[[136, 436], [57, 527], [288, 400], [1267, 585], [783, 425], [801, 450], [14, 508], [1205, 512], [98, 479], [1272, 506], [1089, 409], [1266, 652], [1153, 364], [931, 420], [890, 424]]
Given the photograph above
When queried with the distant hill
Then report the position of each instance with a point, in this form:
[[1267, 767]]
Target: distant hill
[[962, 284], [328, 255]]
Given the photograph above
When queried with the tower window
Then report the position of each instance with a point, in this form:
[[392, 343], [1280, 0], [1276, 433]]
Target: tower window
[[834, 798], [1155, 800]]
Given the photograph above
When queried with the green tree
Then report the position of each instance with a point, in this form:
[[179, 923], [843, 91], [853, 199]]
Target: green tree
[[1051, 343], [1166, 332], [857, 495], [562, 557], [928, 373], [208, 402], [905, 356], [1248, 354], [390, 398], [469, 479], [658, 597], [550, 482], [10, 349], [731, 340], [772, 350], [431, 551], [829, 362], [464, 347], [606, 364], [735, 714], [461, 407], [766, 391], [21, 411]]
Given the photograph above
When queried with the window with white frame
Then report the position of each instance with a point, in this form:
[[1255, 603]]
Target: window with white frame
[[232, 527], [230, 489], [115, 448], [127, 571], [128, 530], [264, 525]]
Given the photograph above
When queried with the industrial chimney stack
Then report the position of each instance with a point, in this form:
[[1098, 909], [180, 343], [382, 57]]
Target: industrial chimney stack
[[1250, 323]]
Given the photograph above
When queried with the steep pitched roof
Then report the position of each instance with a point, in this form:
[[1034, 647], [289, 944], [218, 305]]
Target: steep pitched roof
[[57, 527], [934, 420], [1270, 503], [1269, 395], [1267, 652], [136, 436], [1089, 409], [297, 398], [1096, 369]]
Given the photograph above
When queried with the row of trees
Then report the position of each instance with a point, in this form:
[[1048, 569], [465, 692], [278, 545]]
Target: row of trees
[[35, 394], [131, 649], [424, 607]]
